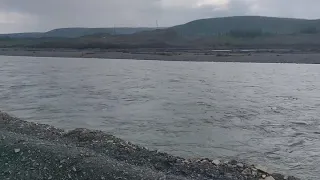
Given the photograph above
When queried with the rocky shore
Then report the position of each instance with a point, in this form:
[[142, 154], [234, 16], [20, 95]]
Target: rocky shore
[[276, 56], [33, 151]]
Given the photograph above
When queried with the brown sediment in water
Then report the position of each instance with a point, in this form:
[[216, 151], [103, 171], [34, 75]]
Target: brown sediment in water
[[36, 151]]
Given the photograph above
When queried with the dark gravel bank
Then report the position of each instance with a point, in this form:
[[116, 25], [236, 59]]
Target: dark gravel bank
[[276, 56], [32, 151]]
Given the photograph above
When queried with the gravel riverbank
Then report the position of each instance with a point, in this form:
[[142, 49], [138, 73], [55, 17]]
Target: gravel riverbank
[[171, 55], [35, 151]]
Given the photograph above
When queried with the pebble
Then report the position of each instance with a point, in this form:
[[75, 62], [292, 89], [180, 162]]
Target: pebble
[[240, 165], [204, 161], [254, 172], [269, 178], [216, 162], [233, 162], [262, 168], [264, 176], [110, 141], [185, 162], [17, 150], [246, 171]]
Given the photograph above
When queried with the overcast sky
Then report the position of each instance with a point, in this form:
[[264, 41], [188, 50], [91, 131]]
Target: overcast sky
[[43, 15]]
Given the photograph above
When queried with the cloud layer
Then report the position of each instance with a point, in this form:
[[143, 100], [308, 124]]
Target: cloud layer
[[43, 15]]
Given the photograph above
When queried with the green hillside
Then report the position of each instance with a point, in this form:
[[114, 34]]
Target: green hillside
[[273, 25], [226, 32], [77, 32]]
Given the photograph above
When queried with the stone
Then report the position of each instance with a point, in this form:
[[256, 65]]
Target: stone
[[240, 165], [216, 162], [269, 178], [264, 176], [262, 169], [278, 176], [233, 162], [204, 161], [246, 171], [185, 162], [254, 172], [17, 150]]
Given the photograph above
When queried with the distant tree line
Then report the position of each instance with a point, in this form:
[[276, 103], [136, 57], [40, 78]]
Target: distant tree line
[[99, 45], [245, 33], [252, 33], [4, 38], [309, 30]]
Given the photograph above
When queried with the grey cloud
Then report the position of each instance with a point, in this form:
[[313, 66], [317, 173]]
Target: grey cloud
[[182, 15], [64, 13], [288, 8]]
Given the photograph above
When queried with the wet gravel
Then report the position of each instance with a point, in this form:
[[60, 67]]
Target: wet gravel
[[36, 151]]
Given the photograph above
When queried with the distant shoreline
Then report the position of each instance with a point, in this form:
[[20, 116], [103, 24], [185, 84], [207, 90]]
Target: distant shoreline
[[171, 55]]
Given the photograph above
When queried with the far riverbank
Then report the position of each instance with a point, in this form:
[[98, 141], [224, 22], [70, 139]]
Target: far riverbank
[[172, 55]]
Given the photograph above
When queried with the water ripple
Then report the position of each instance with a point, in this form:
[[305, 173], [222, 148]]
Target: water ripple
[[263, 113]]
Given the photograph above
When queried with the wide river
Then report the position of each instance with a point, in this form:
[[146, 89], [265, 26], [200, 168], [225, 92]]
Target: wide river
[[266, 114]]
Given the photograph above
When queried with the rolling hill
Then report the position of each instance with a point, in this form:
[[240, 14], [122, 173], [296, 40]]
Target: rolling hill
[[273, 25], [225, 32], [197, 28], [76, 32]]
